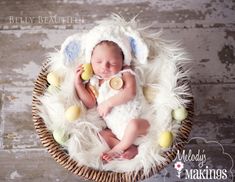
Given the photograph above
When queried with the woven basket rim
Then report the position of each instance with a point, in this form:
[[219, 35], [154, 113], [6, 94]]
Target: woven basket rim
[[60, 155]]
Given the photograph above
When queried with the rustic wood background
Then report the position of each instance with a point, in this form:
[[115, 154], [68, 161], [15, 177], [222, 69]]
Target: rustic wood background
[[31, 29]]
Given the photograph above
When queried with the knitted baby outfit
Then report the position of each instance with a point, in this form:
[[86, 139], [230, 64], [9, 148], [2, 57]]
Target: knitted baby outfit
[[120, 115]]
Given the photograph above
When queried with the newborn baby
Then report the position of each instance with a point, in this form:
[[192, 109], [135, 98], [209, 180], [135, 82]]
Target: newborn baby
[[119, 99]]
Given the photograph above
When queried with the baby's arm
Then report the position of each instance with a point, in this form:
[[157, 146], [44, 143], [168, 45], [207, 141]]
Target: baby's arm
[[126, 94], [85, 96]]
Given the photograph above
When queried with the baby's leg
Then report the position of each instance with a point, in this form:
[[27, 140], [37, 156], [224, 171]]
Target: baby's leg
[[109, 137], [112, 141], [134, 129]]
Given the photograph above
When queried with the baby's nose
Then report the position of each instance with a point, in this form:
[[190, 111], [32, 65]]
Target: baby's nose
[[105, 66]]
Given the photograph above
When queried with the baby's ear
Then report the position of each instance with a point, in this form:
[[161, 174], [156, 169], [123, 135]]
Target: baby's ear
[[139, 47], [71, 49]]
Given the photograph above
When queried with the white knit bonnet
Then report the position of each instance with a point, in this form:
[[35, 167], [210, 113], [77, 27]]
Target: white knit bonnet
[[114, 29], [103, 33]]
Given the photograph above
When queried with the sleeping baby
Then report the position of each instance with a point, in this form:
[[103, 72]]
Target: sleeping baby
[[118, 96]]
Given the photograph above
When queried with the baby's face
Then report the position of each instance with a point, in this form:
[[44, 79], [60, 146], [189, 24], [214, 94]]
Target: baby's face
[[106, 60]]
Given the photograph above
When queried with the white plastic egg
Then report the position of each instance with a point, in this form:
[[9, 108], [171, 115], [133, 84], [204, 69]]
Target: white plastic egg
[[52, 89], [180, 114], [60, 136]]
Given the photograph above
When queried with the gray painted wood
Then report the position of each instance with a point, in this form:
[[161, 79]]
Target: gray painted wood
[[206, 29], [32, 165]]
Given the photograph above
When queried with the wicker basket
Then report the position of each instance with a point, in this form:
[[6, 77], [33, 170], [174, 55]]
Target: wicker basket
[[62, 157]]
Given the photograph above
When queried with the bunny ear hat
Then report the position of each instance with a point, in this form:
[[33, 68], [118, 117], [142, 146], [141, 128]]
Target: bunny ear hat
[[129, 41], [157, 61], [116, 30]]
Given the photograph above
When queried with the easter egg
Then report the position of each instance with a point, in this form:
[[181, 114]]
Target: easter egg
[[53, 79], [52, 89], [179, 114], [88, 72], [60, 136], [149, 93], [166, 139], [116, 83], [72, 113]]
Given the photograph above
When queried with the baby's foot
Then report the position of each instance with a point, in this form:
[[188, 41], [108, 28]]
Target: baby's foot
[[130, 153], [116, 153], [112, 154]]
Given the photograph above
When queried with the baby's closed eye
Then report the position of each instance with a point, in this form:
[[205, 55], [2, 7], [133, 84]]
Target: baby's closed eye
[[98, 61], [113, 64]]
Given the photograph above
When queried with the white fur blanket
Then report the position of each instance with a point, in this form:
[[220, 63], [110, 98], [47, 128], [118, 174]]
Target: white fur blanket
[[160, 73]]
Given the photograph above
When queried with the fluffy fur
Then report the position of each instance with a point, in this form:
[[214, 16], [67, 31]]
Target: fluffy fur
[[161, 72]]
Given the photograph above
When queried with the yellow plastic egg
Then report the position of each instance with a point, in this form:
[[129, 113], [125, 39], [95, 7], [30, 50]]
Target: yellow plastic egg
[[53, 79], [60, 136], [149, 93], [166, 139], [180, 114], [73, 113], [88, 72]]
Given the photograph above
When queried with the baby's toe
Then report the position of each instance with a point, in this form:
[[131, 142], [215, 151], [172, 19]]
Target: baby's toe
[[106, 157]]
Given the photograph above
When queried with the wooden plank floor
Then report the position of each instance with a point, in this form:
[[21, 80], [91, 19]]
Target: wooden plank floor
[[31, 29]]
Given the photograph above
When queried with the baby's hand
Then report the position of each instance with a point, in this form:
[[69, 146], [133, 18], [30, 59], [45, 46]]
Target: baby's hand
[[79, 71], [104, 108]]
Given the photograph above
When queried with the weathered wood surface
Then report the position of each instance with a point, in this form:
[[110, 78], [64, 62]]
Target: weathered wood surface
[[31, 165], [206, 28]]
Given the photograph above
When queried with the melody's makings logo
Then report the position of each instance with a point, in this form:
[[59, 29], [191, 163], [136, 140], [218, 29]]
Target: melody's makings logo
[[201, 171]]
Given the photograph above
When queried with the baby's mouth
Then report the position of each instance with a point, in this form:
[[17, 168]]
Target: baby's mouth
[[105, 73]]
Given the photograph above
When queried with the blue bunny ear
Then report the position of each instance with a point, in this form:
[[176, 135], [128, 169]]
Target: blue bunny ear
[[132, 44], [71, 49], [139, 47]]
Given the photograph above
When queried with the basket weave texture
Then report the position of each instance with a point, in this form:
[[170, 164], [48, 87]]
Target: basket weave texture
[[63, 158]]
